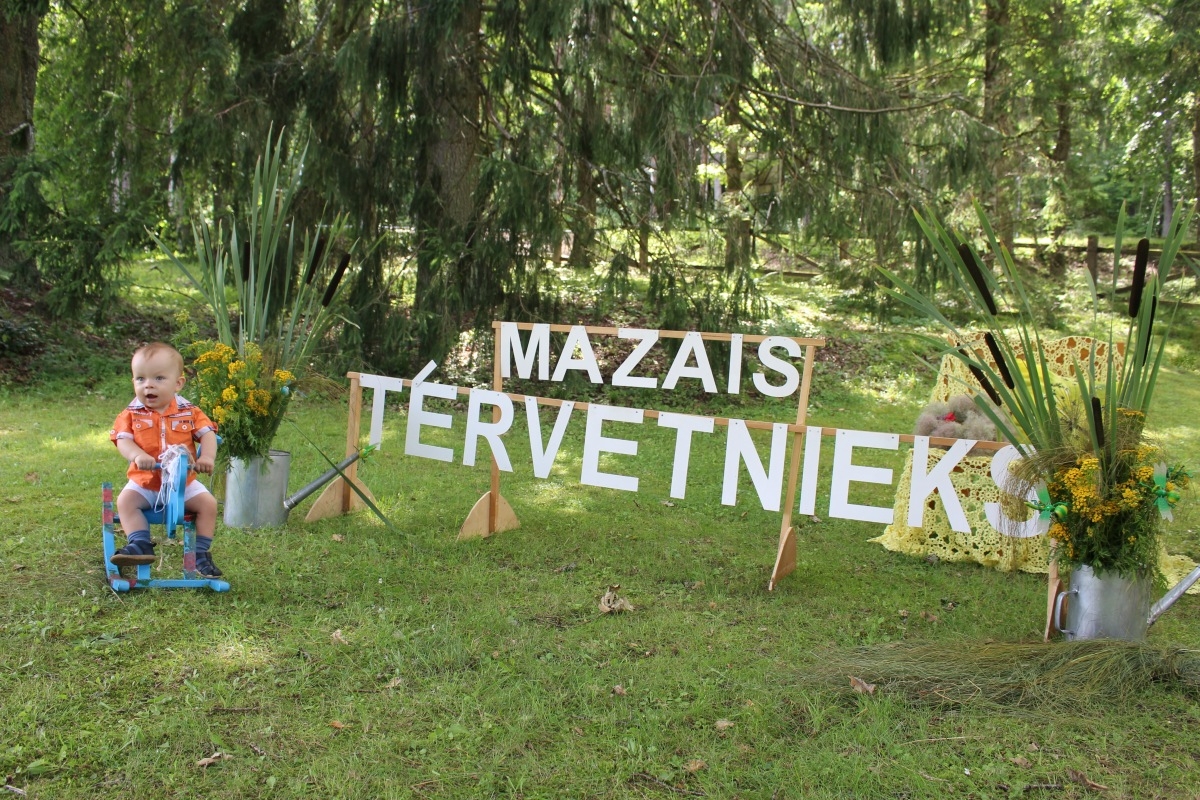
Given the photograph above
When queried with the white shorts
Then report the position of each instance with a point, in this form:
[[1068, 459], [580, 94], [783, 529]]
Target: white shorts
[[193, 489]]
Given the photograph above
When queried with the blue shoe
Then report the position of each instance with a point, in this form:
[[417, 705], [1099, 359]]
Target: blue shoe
[[206, 567], [133, 554]]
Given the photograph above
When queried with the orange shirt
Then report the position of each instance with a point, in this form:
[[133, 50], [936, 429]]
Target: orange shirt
[[180, 423]]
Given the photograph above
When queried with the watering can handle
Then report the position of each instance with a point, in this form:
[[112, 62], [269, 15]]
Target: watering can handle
[[1058, 601]]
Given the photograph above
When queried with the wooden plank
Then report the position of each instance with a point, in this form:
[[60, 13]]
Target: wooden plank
[[943, 443], [708, 337]]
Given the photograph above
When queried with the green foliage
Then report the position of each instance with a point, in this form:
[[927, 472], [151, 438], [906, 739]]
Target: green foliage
[[1094, 424], [286, 290]]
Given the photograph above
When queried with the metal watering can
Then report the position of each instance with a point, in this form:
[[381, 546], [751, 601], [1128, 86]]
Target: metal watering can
[[1111, 607]]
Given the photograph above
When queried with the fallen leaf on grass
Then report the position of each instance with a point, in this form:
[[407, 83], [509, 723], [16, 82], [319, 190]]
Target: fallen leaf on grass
[[668, 504], [1033, 747], [214, 758], [930, 617], [1022, 762], [1084, 780], [258, 751], [861, 686], [31, 477], [695, 765], [565, 568], [337, 637], [18, 567], [610, 602], [723, 724], [338, 725], [394, 683], [619, 690], [337, 537]]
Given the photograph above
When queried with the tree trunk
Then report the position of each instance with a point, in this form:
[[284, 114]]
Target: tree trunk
[[448, 99], [995, 114], [1196, 157], [584, 223], [737, 231], [1168, 183], [18, 81]]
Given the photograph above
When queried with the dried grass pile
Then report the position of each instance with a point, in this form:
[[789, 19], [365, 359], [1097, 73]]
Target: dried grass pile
[[1066, 675]]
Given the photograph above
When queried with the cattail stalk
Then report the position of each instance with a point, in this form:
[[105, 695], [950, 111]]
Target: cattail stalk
[[981, 378], [316, 259], [1139, 277], [1097, 414], [333, 283], [972, 264], [999, 359]]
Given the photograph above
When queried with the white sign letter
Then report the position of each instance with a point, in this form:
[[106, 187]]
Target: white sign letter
[[785, 368], [1005, 482], [844, 471], [543, 458], [924, 483], [381, 384], [622, 377], [685, 425], [692, 343], [492, 431], [577, 338], [735, 364], [740, 447], [539, 346], [418, 416], [594, 444], [812, 461]]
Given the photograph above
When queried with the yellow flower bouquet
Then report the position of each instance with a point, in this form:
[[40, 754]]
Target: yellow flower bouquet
[[244, 394]]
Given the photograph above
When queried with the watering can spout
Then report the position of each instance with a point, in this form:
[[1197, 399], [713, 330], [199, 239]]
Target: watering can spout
[[1174, 594]]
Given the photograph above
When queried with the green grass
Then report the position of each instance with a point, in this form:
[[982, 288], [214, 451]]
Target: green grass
[[485, 669]]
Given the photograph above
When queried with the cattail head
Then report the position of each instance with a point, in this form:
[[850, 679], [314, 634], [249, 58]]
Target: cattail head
[[245, 261], [1139, 277], [318, 252], [998, 356], [1098, 416], [981, 378], [331, 290], [976, 271]]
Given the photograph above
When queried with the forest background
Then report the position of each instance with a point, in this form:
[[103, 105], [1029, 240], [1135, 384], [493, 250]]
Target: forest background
[[476, 145]]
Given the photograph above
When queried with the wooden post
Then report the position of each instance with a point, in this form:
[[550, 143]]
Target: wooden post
[[785, 558], [1093, 257], [491, 513]]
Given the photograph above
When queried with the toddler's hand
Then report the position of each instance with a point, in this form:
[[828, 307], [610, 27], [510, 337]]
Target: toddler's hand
[[205, 464], [144, 461]]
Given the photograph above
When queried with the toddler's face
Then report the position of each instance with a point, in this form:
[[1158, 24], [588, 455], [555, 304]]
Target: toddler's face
[[156, 379]]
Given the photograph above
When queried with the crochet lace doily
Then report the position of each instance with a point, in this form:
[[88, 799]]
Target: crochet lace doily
[[1061, 354]]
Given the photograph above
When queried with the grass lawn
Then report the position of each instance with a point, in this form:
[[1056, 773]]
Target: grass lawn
[[350, 660]]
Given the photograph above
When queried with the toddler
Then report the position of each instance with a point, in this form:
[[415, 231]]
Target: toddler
[[156, 419]]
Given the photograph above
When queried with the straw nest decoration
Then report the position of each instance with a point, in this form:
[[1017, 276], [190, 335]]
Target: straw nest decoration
[[1067, 675]]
